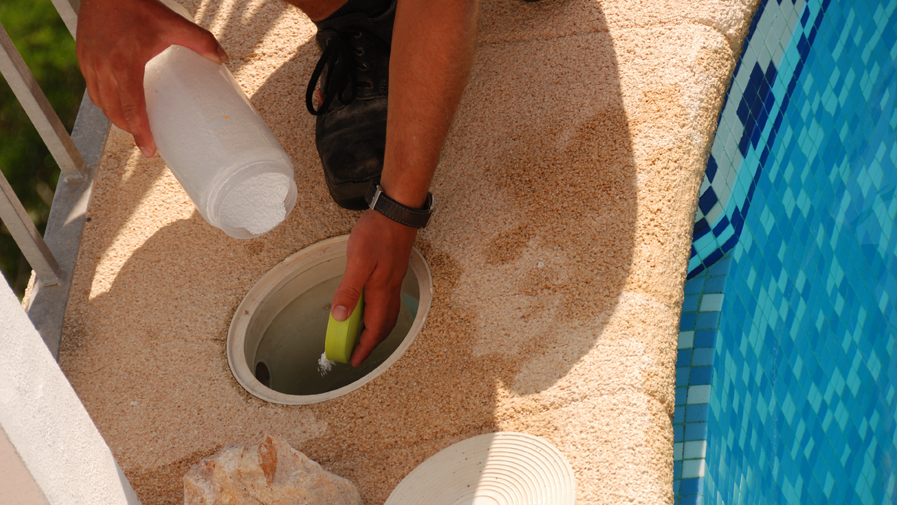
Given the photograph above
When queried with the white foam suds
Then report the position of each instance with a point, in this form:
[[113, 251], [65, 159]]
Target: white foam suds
[[256, 204], [324, 364]]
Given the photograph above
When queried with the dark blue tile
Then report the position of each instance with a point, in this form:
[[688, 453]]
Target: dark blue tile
[[698, 376], [803, 47], [681, 395], [691, 500], [697, 413], [715, 284], [705, 338], [706, 320], [707, 200], [737, 222], [710, 172], [730, 243], [695, 431], [691, 487], [690, 304], [679, 415], [701, 228], [694, 286], [719, 228], [700, 357], [682, 375], [721, 267]]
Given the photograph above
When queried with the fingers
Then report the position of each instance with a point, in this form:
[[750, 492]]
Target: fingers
[[124, 103], [133, 110], [108, 99], [349, 290], [380, 315], [346, 298], [90, 79], [200, 41]]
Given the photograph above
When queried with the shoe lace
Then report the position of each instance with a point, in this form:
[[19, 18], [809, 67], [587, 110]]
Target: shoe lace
[[340, 81]]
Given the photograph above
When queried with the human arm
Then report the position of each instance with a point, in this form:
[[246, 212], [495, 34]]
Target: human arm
[[115, 40], [432, 50]]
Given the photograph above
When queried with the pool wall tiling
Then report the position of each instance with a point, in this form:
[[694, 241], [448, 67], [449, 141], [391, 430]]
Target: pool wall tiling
[[787, 364]]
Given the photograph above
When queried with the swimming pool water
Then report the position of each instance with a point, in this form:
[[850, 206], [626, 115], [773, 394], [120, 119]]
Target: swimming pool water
[[787, 363]]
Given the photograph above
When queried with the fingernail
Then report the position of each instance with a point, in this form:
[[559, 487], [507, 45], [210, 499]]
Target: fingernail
[[222, 55], [340, 313], [145, 151]]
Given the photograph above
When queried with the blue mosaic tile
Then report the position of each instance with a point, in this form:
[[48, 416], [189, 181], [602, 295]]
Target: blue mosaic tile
[[787, 361], [694, 375]]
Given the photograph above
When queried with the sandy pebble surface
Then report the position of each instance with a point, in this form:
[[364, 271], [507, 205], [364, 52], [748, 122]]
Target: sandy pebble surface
[[566, 194]]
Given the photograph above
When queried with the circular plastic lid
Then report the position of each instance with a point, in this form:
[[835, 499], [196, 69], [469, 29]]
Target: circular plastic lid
[[494, 469]]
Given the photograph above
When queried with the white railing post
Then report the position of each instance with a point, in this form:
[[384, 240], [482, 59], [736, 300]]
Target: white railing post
[[39, 110], [26, 236], [68, 11]]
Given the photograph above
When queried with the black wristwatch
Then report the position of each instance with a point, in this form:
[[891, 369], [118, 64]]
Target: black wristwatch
[[415, 218]]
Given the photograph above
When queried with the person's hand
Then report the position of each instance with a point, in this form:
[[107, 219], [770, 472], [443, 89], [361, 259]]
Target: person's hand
[[377, 255], [115, 40]]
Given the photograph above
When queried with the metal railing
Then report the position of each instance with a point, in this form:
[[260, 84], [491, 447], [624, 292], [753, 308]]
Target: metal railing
[[68, 11], [52, 257], [54, 135]]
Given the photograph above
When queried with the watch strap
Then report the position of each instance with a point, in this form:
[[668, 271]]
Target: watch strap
[[382, 203]]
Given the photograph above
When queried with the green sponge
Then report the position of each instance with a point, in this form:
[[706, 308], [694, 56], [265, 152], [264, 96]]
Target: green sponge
[[342, 336]]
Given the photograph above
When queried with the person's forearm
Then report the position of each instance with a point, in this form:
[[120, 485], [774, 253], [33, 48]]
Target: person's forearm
[[432, 49]]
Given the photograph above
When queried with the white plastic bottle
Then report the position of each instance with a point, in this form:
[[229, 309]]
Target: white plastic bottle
[[216, 144]]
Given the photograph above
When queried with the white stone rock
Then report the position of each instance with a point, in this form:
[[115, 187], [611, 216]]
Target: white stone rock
[[272, 473]]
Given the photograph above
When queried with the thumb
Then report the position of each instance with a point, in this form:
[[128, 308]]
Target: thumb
[[200, 41], [349, 291]]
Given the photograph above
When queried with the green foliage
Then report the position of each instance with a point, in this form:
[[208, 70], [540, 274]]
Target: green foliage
[[49, 50]]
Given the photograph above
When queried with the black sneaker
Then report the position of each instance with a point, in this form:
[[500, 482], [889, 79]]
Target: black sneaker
[[350, 132]]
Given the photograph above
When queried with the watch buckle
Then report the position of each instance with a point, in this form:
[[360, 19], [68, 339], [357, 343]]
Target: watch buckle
[[377, 193]]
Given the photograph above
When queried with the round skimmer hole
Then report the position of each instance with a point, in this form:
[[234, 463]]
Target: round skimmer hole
[[276, 339]]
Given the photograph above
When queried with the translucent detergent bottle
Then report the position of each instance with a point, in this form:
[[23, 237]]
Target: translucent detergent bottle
[[215, 142]]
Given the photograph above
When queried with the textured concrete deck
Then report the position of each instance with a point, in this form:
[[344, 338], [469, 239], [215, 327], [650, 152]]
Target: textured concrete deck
[[566, 194]]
